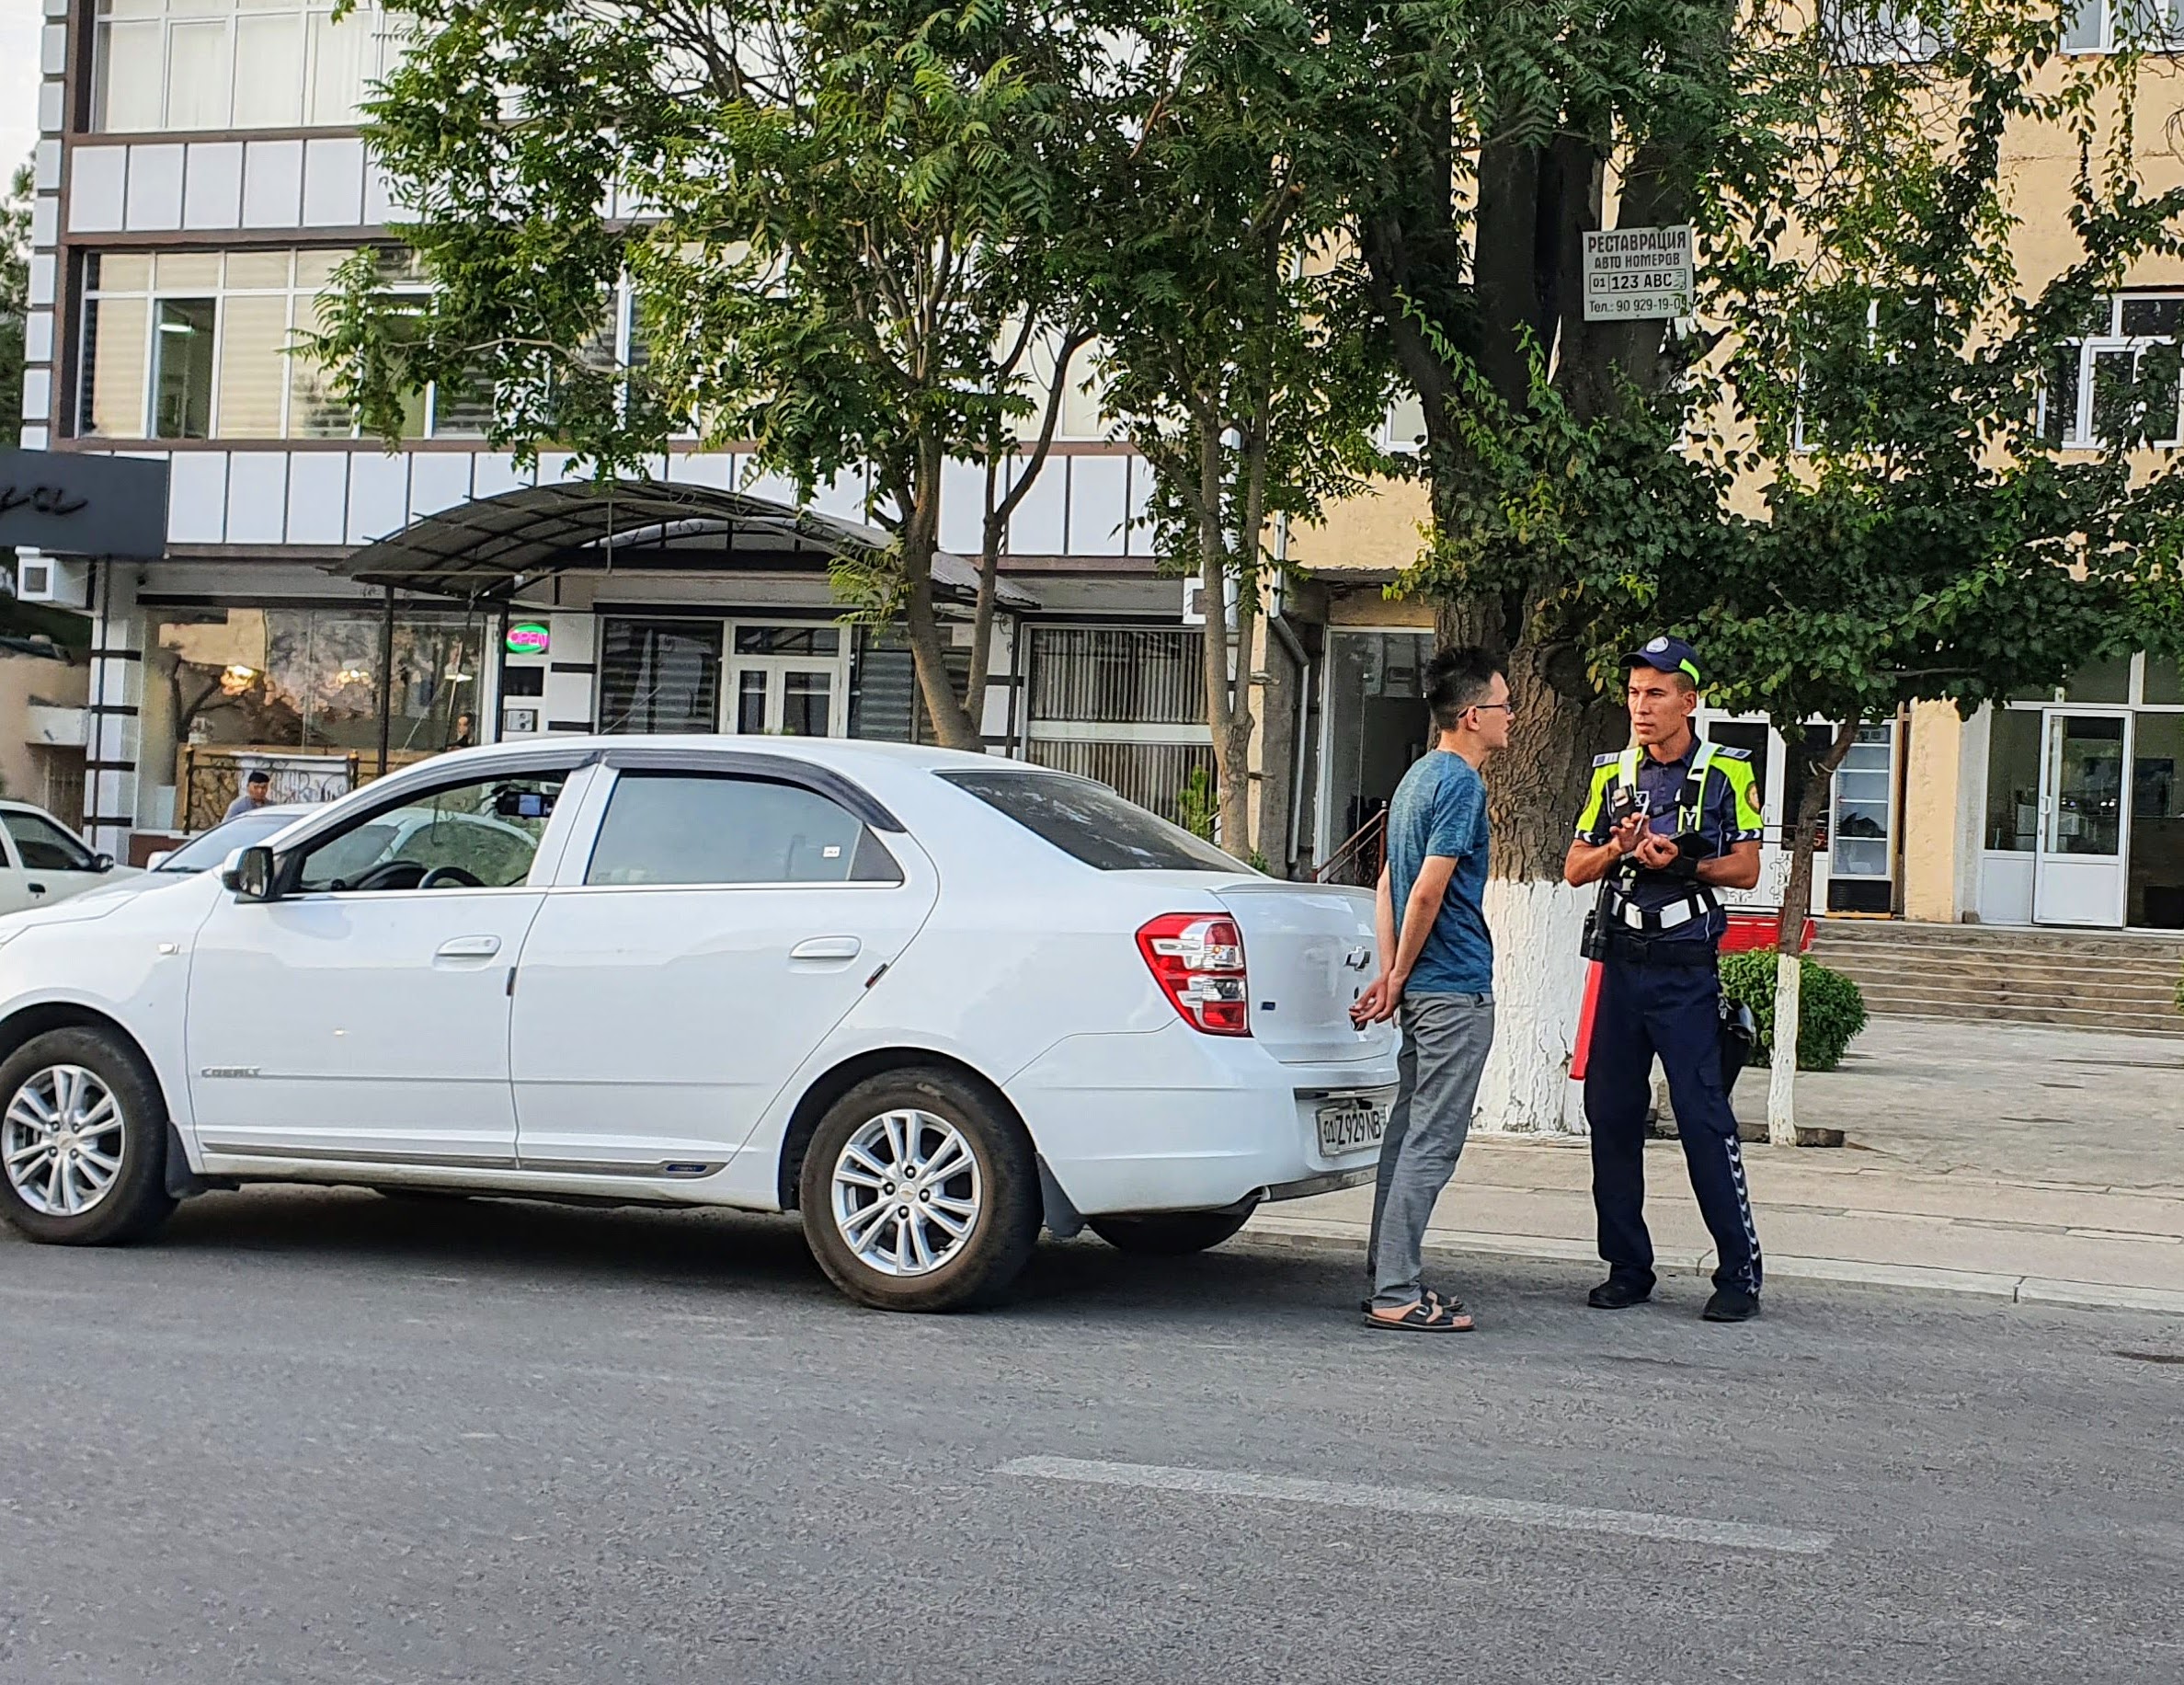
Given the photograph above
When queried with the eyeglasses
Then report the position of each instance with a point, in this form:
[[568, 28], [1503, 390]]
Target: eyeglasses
[[1488, 707]]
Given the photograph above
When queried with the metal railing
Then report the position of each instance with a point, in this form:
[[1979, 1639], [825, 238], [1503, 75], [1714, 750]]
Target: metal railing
[[1358, 860]]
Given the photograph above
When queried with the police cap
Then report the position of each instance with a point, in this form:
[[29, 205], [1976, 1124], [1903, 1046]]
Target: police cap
[[1668, 655]]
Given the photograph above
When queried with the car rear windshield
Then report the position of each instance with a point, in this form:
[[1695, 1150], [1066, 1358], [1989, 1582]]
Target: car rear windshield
[[1090, 822]]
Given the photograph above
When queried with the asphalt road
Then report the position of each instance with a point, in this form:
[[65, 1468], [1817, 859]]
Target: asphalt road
[[317, 1435]]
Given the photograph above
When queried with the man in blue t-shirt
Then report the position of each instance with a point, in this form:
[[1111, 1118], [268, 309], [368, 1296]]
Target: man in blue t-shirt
[[1437, 972]]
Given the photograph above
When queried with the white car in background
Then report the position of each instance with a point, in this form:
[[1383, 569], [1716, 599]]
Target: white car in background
[[43, 862], [928, 1001]]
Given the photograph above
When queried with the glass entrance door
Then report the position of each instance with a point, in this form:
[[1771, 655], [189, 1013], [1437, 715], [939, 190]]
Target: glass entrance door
[[2078, 874], [790, 681]]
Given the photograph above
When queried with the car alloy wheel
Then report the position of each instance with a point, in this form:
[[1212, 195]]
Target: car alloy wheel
[[64, 1141], [907, 1193]]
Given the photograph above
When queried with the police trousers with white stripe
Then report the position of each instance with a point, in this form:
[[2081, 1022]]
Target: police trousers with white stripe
[[1657, 1003]]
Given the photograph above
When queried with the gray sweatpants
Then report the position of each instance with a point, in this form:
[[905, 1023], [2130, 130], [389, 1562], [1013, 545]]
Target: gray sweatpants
[[1446, 1039]]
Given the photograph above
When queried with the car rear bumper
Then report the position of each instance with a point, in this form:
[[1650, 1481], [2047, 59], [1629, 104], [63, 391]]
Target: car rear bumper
[[1177, 1121]]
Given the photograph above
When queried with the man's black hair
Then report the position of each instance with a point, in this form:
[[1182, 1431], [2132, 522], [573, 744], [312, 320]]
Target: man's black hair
[[258, 775], [1457, 680]]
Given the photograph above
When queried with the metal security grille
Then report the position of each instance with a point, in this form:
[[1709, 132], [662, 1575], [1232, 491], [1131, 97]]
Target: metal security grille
[[1124, 705], [1116, 674]]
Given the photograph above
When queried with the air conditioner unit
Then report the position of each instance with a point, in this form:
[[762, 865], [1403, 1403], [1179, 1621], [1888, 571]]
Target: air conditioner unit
[[63, 581]]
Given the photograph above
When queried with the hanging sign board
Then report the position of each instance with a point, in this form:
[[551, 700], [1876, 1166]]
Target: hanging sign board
[[1633, 273], [528, 637], [80, 503]]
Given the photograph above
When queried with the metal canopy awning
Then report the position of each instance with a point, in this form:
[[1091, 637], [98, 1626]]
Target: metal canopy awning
[[489, 548]]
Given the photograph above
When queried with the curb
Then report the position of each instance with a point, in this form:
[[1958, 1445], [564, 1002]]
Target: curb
[[1290, 1234]]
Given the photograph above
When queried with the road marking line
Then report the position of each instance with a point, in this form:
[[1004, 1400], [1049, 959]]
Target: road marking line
[[1283, 1488]]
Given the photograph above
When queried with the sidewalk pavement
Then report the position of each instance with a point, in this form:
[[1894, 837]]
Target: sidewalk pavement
[[1965, 1173]]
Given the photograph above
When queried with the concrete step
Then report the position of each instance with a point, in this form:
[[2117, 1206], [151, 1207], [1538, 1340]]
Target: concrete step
[[1896, 935], [2156, 985], [2166, 1025]]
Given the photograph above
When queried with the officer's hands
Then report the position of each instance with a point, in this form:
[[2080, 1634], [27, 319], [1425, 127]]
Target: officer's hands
[[1630, 834], [1377, 1003], [1656, 853]]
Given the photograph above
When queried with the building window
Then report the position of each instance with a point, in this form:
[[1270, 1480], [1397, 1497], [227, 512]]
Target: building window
[[1124, 705], [2120, 380], [195, 345], [1879, 33], [660, 675], [1402, 431], [227, 688], [169, 65], [2108, 25]]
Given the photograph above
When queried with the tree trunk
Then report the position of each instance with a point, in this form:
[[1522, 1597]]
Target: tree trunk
[[952, 722], [1789, 931], [1278, 750], [1534, 788]]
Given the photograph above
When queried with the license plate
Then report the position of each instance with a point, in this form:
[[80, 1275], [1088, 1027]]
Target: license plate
[[1350, 1126]]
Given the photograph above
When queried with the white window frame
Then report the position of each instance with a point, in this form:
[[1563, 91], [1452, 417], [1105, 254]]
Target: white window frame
[[165, 14], [777, 668], [1881, 33], [2108, 10], [2078, 435]]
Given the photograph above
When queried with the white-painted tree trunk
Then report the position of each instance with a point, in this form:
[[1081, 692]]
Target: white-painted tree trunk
[[1539, 980], [1781, 1086]]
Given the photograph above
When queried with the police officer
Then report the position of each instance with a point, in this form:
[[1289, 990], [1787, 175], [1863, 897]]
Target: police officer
[[1667, 822]]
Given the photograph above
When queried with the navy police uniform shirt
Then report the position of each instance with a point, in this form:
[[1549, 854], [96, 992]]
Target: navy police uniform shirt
[[1728, 814]]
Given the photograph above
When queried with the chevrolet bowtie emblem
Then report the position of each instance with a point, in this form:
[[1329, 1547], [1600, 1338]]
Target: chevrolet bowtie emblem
[[1358, 959]]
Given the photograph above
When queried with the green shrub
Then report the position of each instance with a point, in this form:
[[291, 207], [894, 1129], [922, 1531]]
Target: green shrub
[[1196, 806], [1830, 1008]]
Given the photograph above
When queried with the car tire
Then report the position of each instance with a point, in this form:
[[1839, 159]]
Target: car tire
[[964, 1161], [1169, 1235], [83, 1140]]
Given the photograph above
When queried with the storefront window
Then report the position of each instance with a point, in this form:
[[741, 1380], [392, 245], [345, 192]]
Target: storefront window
[[660, 675], [2108, 681], [2013, 781], [300, 687], [2156, 861]]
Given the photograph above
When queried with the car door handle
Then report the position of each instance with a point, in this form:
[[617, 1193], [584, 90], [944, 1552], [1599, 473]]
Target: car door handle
[[35, 888], [469, 948], [827, 947]]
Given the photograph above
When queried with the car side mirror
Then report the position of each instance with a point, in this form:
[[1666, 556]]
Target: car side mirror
[[250, 873], [154, 862], [102, 863]]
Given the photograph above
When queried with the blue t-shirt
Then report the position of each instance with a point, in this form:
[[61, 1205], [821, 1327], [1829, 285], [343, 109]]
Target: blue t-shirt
[[1440, 809]]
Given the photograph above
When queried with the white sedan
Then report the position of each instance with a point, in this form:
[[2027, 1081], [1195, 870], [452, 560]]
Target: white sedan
[[43, 862], [931, 1002]]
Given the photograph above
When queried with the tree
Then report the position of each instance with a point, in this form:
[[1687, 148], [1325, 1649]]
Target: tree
[[1231, 339], [1925, 538], [1557, 493], [839, 219]]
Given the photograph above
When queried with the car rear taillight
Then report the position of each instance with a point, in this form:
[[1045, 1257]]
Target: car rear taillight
[[1197, 958]]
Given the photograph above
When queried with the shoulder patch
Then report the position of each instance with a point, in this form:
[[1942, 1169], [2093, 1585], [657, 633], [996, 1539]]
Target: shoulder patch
[[1725, 751], [1607, 760]]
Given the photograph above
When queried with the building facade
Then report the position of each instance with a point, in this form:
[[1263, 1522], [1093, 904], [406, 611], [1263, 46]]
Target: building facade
[[201, 174]]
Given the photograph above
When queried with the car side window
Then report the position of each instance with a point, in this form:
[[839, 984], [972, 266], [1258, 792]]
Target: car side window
[[44, 846], [693, 828], [483, 834]]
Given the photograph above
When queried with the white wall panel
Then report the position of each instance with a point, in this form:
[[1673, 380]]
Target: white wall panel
[[272, 183], [774, 487], [256, 496], [52, 49], [1099, 504], [492, 475], [49, 106], [34, 438], [45, 219], [212, 186], [38, 337], [437, 480], [1141, 534], [688, 468], [38, 394], [333, 183], [1036, 527], [155, 200], [379, 206], [843, 496], [317, 497], [96, 176], [197, 498], [42, 271], [962, 507], [45, 167], [378, 496]]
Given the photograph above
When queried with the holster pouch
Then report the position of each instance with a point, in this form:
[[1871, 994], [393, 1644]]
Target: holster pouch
[[1740, 1030]]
